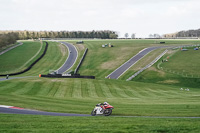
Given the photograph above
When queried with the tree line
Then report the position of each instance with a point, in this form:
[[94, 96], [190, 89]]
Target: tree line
[[188, 33], [7, 39], [105, 34]]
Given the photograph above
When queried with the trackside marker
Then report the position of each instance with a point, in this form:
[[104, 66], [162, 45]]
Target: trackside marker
[[16, 108], [4, 106], [12, 107]]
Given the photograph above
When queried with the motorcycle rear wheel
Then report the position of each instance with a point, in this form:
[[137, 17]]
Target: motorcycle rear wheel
[[93, 113], [107, 112]]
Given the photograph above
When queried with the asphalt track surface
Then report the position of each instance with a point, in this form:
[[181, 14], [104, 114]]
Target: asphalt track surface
[[10, 48], [123, 68], [73, 54], [35, 112], [3, 79]]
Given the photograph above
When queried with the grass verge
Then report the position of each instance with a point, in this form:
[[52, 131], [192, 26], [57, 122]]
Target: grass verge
[[50, 124]]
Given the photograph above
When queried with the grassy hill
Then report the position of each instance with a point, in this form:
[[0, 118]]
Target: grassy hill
[[153, 93], [80, 96], [21, 57], [183, 63], [55, 57], [181, 69]]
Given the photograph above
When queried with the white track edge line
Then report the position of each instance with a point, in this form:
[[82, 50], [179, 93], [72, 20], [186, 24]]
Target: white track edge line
[[134, 64]]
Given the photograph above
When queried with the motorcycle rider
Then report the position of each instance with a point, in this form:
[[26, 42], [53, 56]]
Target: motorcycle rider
[[102, 108], [102, 105]]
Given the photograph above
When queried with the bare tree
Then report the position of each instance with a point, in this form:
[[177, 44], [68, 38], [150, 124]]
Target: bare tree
[[133, 35], [126, 35]]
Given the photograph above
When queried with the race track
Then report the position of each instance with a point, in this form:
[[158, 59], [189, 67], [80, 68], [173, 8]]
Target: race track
[[10, 48], [17, 110], [73, 54]]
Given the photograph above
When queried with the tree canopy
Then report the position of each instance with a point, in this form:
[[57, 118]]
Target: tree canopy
[[104, 34]]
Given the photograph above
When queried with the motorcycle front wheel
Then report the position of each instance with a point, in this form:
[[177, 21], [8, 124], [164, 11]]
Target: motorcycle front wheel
[[93, 113], [107, 112]]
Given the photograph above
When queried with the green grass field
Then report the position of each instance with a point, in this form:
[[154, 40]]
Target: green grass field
[[153, 93], [20, 58], [80, 96], [52, 124], [180, 70], [55, 57], [184, 63]]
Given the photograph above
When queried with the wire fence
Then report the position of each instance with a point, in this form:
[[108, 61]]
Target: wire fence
[[167, 70], [183, 74]]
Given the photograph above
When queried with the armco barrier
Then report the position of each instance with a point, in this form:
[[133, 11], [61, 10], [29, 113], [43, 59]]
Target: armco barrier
[[72, 76], [17, 73], [77, 68]]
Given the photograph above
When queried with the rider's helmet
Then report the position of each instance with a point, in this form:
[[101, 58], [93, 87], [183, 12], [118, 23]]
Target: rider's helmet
[[105, 103]]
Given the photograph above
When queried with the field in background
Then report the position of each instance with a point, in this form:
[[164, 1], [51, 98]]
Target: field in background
[[55, 57], [185, 63], [100, 62], [181, 69]]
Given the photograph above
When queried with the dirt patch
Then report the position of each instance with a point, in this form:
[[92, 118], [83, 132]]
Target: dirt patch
[[37, 80], [57, 80], [63, 49], [171, 52], [119, 58], [169, 81], [109, 65], [80, 47]]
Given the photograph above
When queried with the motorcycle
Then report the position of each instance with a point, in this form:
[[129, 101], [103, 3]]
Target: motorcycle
[[104, 109]]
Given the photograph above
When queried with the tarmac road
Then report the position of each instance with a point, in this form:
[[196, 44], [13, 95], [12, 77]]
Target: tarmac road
[[34, 112], [10, 48], [123, 68], [73, 54]]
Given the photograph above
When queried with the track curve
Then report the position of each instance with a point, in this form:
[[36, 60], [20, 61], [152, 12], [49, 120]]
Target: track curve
[[73, 54]]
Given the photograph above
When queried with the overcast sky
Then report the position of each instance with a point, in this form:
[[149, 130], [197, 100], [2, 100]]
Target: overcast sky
[[142, 17]]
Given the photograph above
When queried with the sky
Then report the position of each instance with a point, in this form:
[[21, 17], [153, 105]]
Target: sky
[[142, 17]]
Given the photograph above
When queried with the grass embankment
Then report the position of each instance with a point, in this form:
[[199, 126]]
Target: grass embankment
[[51, 124], [80, 96], [21, 57], [184, 63], [7, 47], [55, 57], [181, 69]]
